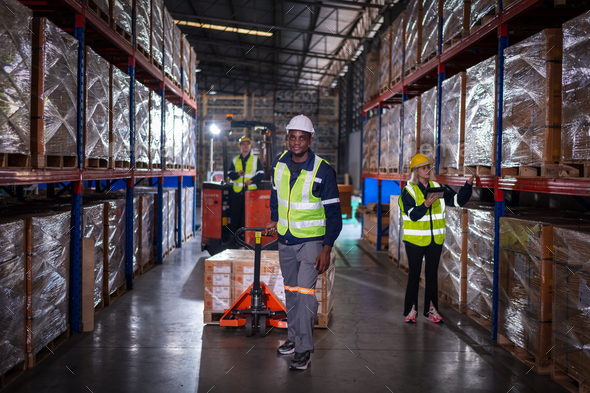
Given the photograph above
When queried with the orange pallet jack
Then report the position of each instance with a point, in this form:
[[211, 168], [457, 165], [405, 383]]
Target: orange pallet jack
[[257, 307]]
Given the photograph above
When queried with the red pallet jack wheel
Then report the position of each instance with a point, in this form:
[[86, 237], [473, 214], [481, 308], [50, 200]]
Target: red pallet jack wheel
[[257, 307]]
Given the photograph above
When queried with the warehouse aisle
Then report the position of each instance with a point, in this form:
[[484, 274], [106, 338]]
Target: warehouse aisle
[[152, 340]]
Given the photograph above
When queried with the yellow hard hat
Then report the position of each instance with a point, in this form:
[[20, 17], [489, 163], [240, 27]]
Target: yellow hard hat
[[244, 139], [419, 160]]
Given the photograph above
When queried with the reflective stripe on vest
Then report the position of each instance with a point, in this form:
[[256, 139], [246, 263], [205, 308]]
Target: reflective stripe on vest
[[249, 172], [299, 210], [420, 232]]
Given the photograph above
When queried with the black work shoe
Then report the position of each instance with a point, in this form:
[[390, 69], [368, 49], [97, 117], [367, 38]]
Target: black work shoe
[[301, 361], [287, 348]]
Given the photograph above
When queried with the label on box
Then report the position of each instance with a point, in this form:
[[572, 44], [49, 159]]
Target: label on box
[[220, 304], [222, 269], [219, 292], [221, 279], [520, 263], [248, 269], [584, 294], [249, 279]]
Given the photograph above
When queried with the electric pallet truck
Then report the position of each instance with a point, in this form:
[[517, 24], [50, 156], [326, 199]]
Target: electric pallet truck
[[257, 307]]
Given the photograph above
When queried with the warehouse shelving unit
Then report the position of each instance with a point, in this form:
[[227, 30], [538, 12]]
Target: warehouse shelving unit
[[74, 17], [491, 38]]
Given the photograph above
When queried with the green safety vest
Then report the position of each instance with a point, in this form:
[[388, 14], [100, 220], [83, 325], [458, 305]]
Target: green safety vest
[[299, 210], [433, 223], [249, 172]]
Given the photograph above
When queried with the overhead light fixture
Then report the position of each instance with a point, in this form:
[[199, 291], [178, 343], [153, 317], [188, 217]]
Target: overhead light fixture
[[223, 28], [214, 129], [212, 92], [198, 70]]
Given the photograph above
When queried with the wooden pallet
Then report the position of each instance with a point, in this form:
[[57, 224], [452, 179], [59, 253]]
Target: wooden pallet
[[99, 307], [136, 272], [348, 211], [101, 14], [156, 166], [157, 64], [575, 169], [484, 322], [541, 366], [324, 319], [411, 70], [212, 318], [383, 170], [115, 295], [529, 171], [384, 245], [61, 162], [569, 381], [148, 266], [449, 301], [396, 80], [478, 170], [122, 32], [49, 349], [372, 170], [143, 51], [142, 165], [10, 375], [9, 160], [452, 42], [96, 163], [450, 171], [430, 57], [122, 164], [393, 170], [484, 20]]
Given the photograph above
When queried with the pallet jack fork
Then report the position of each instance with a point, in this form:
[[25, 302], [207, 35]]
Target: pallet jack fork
[[257, 307]]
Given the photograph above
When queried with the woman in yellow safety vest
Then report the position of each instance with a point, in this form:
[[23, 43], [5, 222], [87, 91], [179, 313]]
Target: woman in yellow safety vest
[[424, 233]]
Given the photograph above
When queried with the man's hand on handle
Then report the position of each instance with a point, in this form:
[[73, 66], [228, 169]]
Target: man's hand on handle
[[322, 261], [271, 228]]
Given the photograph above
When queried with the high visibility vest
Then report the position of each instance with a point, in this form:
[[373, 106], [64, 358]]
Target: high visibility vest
[[299, 210], [251, 167], [433, 223]]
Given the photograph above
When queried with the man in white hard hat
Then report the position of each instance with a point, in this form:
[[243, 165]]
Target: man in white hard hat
[[306, 214]]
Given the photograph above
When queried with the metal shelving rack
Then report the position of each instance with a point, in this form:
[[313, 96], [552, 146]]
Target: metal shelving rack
[[123, 54], [494, 33]]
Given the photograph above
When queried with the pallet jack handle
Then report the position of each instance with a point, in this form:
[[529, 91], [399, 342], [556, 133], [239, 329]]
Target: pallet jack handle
[[249, 246]]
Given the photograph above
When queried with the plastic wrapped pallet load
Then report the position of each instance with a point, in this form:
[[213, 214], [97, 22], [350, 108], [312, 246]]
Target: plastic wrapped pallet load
[[394, 228], [189, 203], [170, 159], [531, 121], [155, 130], [428, 101], [146, 229], [480, 119], [385, 61], [178, 136], [176, 55], [168, 39], [122, 17], [96, 110], [143, 21], [386, 156], [455, 15], [142, 125], [192, 74], [185, 61], [136, 236], [172, 218], [15, 82], [452, 125], [481, 12], [114, 238], [372, 76], [453, 261], [102, 5], [575, 140], [571, 301], [93, 224], [119, 120], [157, 31], [391, 126], [370, 145], [431, 13], [413, 39], [13, 302], [410, 131], [398, 34], [53, 110]]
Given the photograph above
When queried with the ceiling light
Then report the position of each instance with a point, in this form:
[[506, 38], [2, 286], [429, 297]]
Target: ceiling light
[[198, 70], [212, 92], [214, 129], [223, 28]]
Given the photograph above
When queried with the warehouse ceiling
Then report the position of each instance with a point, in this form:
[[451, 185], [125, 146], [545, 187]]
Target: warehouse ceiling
[[262, 45]]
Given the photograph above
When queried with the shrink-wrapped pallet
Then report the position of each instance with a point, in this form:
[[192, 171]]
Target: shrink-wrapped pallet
[[575, 138], [177, 54], [93, 223], [413, 39], [189, 208], [571, 302], [119, 146], [146, 228], [143, 21], [178, 135], [430, 29], [47, 306], [172, 218], [394, 228], [142, 125], [480, 261], [398, 34], [13, 300], [385, 158], [410, 131], [452, 260], [452, 124], [114, 238], [370, 144], [157, 32], [186, 139], [385, 60], [479, 9], [165, 247], [15, 78], [428, 104], [168, 39], [532, 101], [122, 15], [185, 62], [103, 5], [391, 125], [480, 116], [454, 19], [97, 109], [193, 73], [155, 128], [136, 236], [371, 76], [169, 134], [192, 141]]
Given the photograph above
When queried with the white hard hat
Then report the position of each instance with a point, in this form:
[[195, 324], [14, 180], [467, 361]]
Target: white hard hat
[[301, 123]]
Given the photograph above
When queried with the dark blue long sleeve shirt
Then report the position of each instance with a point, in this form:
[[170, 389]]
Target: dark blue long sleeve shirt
[[325, 187], [258, 176]]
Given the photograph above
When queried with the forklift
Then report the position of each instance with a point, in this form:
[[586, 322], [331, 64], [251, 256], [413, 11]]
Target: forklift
[[219, 221]]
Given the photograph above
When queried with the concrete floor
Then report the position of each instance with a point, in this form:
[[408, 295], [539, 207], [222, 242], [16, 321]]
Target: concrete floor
[[152, 339]]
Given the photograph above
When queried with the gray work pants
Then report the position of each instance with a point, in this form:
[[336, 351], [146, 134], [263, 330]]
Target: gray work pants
[[300, 278]]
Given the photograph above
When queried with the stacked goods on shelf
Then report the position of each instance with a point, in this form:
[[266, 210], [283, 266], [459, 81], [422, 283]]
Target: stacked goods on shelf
[[176, 54], [119, 119], [370, 223], [188, 209], [531, 134], [178, 136], [136, 241], [385, 157], [114, 257], [146, 231], [397, 250], [155, 129], [169, 135], [413, 39], [187, 140], [48, 278], [482, 11], [168, 39], [431, 14], [398, 34], [262, 108], [96, 126], [575, 141], [172, 216], [391, 126], [452, 125], [385, 61], [410, 132], [143, 24], [455, 15], [427, 135], [122, 19], [372, 76], [165, 247], [452, 271], [326, 138], [93, 228], [13, 301], [15, 82], [571, 300], [218, 283], [142, 126], [480, 119], [185, 62], [193, 74], [53, 89], [157, 33], [101, 7], [370, 145]]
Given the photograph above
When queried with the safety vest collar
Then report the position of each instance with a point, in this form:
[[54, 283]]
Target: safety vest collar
[[308, 165]]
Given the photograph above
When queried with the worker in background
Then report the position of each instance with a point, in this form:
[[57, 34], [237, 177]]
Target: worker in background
[[424, 233], [305, 211], [245, 170]]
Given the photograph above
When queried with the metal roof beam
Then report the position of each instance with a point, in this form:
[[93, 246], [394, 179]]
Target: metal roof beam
[[253, 77]]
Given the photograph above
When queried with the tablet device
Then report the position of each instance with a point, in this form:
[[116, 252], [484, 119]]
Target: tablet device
[[439, 191]]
